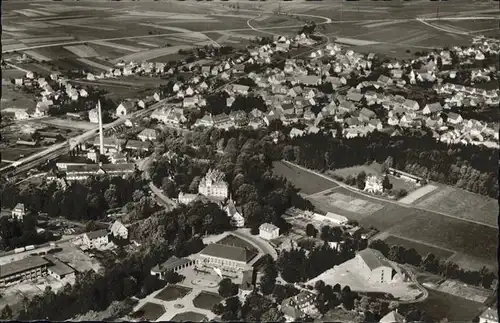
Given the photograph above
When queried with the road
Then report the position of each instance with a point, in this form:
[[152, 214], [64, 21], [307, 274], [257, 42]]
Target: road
[[162, 197], [352, 189], [264, 246]]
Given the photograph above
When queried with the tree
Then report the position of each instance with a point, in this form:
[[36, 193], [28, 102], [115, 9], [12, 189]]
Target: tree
[[6, 313], [319, 285], [361, 180], [311, 231], [272, 315], [386, 184], [227, 288]]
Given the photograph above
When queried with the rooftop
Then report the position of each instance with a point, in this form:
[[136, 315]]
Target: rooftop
[[373, 259], [171, 263], [96, 234], [228, 252], [22, 265]]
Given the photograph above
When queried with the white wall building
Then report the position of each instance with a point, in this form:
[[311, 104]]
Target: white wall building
[[269, 231], [19, 212], [374, 267], [213, 185], [373, 185], [95, 239], [118, 230]]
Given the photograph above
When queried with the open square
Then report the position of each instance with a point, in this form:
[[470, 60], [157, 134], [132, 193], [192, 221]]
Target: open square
[[172, 292]]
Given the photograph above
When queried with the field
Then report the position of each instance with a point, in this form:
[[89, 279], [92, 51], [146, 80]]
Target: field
[[308, 183], [13, 99], [461, 203], [14, 153], [206, 300], [421, 248], [418, 225], [441, 305], [189, 317], [151, 311], [172, 292]]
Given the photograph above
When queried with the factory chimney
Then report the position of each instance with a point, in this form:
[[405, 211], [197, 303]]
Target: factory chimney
[[101, 134]]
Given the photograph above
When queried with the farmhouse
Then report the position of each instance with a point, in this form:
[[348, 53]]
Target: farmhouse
[[28, 268], [172, 264], [19, 212], [125, 108], [147, 134], [229, 259], [118, 230], [268, 231], [374, 267], [95, 239], [298, 306]]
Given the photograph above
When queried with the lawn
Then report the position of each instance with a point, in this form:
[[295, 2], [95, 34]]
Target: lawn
[[373, 169], [189, 317], [206, 300], [307, 182], [422, 249], [441, 305], [150, 312], [172, 292], [461, 203]]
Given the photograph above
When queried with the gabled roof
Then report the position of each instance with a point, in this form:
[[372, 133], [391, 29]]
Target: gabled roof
[[22, 265], [373, 258], [227, 252], [268, 227], [392, 317], [96, 234], [19, 207]]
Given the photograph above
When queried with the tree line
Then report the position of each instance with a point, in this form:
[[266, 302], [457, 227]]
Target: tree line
[[448, 269]]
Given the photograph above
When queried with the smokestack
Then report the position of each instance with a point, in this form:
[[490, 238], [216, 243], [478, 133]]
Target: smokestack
[[101, 134]]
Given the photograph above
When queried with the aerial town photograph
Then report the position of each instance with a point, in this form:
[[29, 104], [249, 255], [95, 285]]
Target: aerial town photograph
[[257, 160]]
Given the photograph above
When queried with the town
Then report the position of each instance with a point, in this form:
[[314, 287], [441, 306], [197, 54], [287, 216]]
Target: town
[[292, 179]]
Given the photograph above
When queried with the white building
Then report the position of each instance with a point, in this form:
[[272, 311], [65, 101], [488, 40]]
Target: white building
[[490, 315], [374, 267], [373, 185], [147, 134], [392, 317], [19, 212], [94, 116], [234, 213], [125, 108], [186, 198], [269, 231], [213, 185], [118, 230], [95, 239]]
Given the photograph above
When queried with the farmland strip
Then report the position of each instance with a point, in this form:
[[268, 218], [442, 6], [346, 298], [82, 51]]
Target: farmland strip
[[93, 64]]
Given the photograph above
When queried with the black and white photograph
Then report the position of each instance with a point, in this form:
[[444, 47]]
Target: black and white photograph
[[250, 161]]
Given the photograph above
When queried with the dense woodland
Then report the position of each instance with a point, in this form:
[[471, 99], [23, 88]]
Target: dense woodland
[[82, 201], [16, 233]]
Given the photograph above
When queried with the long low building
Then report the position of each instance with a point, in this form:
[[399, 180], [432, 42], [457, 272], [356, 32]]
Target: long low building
[[82, 172], [172, 264], [25, 269], [230, 260]]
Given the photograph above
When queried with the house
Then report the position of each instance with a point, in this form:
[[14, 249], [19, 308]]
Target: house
[[333, 218], [432, 108], [147, 134], [374, 267], [18, 212], [41, 109], [94, 116], [241, 89], [95, 239], [455, 118], [296, 307], [125, 108], [354, 96], [490, 315], [296, 133], [393, 317], [373, 184], [367, 114], [269, 231], [21, 114], [410, 105], [213, 185], [235, 215], [118, 230]]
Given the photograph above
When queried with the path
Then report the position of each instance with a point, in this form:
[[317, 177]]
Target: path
[[355, 190], [262, 245]]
